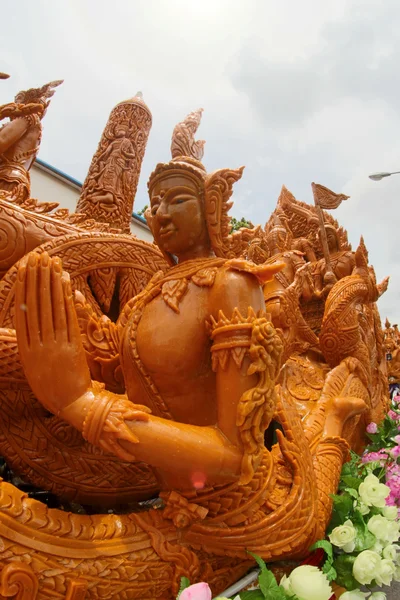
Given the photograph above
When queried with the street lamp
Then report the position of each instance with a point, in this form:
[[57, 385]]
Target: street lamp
[[379, 176]]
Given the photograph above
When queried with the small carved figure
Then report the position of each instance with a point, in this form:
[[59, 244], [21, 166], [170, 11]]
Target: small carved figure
[[20, 139]]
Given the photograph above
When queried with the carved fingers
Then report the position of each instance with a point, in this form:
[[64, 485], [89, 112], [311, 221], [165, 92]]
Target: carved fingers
[[48, 333], [45, 311]]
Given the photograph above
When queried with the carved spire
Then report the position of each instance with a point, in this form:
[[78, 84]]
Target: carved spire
[[109, 190], [183, 142]]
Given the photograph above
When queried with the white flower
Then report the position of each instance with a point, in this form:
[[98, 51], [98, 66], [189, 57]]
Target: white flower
[[390, 512], [377, 547], [372, 492], [344, 536], [390, 552], [383, 529], [366, 566], [307, 583], [386, 572], [362, 507], [377, 596], [354, 595]]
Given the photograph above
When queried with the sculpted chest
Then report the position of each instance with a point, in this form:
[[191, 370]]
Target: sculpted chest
[[171, 343]]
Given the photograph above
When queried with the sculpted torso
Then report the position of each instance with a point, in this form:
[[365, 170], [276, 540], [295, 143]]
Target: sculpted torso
[[177, 356]]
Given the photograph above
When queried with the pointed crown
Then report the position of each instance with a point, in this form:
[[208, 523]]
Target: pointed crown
[[215, 189]]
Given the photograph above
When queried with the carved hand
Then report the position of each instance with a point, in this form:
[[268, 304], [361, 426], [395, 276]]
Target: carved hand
[[48, 333]]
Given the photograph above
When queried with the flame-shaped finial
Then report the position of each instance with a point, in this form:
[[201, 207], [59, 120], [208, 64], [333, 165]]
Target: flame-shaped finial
[[183, 142]]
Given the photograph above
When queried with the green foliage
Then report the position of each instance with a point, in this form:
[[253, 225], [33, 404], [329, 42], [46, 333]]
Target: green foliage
[[383, 437], [252, 595], [364, 538], [235, 224], [269, 588], [141, 212], [344, 569], [185, 583], [327, 567], [342, 507]]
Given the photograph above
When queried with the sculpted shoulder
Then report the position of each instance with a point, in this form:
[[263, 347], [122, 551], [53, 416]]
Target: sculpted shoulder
[[234, 288]]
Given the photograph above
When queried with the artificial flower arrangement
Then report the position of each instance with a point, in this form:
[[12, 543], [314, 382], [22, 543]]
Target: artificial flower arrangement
[[361, 548]]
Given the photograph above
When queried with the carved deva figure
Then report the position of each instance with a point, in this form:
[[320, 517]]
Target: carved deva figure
[[200, 360], [20, 139]]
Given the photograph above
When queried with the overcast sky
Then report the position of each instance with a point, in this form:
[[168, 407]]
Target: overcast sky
[[298, 91]]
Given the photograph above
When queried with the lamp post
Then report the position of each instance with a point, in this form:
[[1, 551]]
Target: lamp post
[[379, 176]]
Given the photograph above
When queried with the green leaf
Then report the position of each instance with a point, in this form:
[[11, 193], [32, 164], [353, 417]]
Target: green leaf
[[342, 507], [268, 584], [327, 567], [326, 547], [258, 560], [184, 584], [344, 569], [252, 595], [353, 493], [364, 538], [350, 481], [329, 571]]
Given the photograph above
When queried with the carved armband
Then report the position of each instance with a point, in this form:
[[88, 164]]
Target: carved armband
[[231, 338], [96, 416]]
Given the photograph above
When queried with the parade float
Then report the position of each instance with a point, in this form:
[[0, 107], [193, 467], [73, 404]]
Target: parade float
[[170, 408]]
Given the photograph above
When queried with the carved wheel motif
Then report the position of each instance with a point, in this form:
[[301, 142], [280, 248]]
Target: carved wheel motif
[[39, 446]]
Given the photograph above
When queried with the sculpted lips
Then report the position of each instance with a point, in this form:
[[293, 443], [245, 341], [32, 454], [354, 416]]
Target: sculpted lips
[[166, 231]]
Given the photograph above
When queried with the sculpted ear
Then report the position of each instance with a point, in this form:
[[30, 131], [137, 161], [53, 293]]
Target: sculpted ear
[[218, 190], [149, 218]]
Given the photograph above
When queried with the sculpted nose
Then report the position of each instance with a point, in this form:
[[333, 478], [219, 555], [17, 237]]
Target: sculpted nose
[[163, 214]]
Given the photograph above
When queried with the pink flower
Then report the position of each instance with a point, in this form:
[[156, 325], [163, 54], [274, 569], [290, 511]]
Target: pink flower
[[391, 500], [396, 439], [198, 591], [396, 399], [392, 470], [393, 415], [395, 452], [372, 428], [380, 457], [393, 484]]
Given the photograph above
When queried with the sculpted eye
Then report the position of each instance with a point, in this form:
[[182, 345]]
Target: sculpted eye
[[154, 209], [181, 199]]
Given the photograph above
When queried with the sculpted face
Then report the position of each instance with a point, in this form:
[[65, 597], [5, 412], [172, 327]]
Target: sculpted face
[[332, 240], [178, 221]]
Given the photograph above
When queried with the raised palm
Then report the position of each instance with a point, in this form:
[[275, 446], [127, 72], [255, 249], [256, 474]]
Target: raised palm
[[48, 333]]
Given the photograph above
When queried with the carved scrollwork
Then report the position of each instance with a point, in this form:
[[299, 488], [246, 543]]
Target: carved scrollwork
[[19, 582]]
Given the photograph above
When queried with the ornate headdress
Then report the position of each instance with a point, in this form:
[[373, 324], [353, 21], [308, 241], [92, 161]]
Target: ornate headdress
[[40, 95], [215, 189]]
